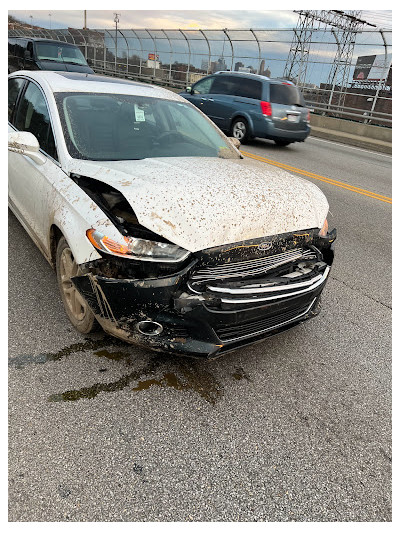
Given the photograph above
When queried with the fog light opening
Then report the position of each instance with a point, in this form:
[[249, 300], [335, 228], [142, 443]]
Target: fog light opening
[[148, 327]]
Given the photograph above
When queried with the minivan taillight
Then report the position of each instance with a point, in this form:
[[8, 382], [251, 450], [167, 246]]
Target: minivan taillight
[[266, 109]]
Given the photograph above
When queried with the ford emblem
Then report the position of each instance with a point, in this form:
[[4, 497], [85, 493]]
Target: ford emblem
[[265, 246]]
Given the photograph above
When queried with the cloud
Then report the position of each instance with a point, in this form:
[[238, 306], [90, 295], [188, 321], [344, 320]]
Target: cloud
[[166, 19]]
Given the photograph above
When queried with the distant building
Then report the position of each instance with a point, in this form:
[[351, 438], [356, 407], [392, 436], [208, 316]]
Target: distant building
[[205, 65], [218, 65], [195, 76]]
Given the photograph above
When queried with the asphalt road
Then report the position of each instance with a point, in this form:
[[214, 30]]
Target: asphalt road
[[297, 428]]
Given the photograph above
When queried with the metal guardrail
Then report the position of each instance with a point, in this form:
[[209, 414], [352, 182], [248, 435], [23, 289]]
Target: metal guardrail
[[315, 106], [177, 58]]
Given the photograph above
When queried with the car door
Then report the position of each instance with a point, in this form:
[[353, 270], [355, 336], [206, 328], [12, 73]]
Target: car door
[[221, 100], [30, 189], [232, 94], [199, 96]]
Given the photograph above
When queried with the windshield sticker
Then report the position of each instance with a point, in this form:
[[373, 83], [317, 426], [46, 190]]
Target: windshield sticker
[[139, 114]]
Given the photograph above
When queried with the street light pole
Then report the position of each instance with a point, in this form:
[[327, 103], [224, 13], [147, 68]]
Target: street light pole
[[116, 20]]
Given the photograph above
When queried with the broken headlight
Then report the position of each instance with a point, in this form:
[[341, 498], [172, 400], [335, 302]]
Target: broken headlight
[[324, 230], [140, 249]]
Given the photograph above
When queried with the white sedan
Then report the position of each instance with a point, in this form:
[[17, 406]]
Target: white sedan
[[158, 229]]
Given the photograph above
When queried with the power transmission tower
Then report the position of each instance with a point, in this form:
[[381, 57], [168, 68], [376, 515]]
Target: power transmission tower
[[296, 63], [349, 24]]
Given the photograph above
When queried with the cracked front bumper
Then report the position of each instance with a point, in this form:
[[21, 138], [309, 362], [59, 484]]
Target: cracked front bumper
[[204, 324]]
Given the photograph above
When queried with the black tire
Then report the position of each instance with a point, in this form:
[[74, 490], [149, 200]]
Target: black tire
[[278, 142], [76, 308], [240, 130]]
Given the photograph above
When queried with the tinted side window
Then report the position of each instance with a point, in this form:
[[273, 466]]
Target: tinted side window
[[11, 47], [223, 85], [33, 116], [203, 86], [237, 86], [20, 46], [285, 94], [14, 86], [249, 88]]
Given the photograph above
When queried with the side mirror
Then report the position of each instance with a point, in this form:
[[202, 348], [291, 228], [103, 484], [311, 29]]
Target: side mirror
[[27, 54], [189, 90], [25, 143], [235, 142]]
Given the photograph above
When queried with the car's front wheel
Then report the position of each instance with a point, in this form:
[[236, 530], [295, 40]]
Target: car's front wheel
[[78, 311], [240, 130]]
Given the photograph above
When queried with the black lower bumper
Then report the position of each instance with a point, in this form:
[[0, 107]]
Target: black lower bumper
[[191, 325]]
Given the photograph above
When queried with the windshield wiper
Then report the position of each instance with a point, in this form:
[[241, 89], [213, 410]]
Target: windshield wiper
[[51, 59], [74, 63]]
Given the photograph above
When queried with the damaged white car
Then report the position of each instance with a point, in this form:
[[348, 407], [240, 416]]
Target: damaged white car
[[158, 229]]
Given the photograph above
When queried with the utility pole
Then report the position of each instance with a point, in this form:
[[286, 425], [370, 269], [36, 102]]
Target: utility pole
[[116, 20], [50, 19], [84, 20]]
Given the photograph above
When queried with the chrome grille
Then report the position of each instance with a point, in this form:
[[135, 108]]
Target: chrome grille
[[252, 267]]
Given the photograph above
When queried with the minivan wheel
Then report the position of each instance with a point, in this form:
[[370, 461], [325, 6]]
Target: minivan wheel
[[279, 142], [240, 130], [78, 311]]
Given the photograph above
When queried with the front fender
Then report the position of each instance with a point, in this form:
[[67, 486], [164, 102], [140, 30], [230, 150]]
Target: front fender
[[74, 213]]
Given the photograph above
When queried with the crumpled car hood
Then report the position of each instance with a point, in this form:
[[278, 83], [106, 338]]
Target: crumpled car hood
[[200, 203]]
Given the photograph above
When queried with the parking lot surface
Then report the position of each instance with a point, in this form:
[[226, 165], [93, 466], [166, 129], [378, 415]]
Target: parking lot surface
[[296, 428]]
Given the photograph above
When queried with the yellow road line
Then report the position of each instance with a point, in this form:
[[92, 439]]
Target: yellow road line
[[337, 183]]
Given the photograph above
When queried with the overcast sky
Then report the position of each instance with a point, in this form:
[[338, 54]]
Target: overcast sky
[[161, 18]]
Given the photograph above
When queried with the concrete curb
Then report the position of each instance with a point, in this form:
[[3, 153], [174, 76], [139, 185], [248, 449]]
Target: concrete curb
[[352, 140]]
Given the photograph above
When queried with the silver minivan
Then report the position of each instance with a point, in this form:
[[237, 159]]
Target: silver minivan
[[250, 105]]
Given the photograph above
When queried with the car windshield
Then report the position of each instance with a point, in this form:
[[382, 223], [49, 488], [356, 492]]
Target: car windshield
[[59, 52], [104, 127]]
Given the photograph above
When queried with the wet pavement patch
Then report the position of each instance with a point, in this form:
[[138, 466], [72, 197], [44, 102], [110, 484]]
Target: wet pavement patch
[[204, 384], [240, 374], [22, 360], [186, 378]]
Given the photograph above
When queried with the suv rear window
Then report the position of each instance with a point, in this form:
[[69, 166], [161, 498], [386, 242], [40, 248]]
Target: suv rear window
[[236, 86], [285, 94]]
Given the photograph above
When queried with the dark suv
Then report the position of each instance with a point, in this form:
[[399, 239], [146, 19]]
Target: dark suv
[[249, 105], [45, 54]]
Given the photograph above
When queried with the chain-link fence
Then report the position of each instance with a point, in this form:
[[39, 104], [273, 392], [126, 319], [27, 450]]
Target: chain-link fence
[[178, 58]]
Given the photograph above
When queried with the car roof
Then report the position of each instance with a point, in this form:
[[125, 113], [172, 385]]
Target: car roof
[[259, 76], [58, 81], [243, 74], [44, 40]]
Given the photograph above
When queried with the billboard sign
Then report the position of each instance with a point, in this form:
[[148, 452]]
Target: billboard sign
[[153, 57], [372, 68]]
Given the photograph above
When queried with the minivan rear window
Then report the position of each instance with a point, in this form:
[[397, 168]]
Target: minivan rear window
[[285, 94]]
